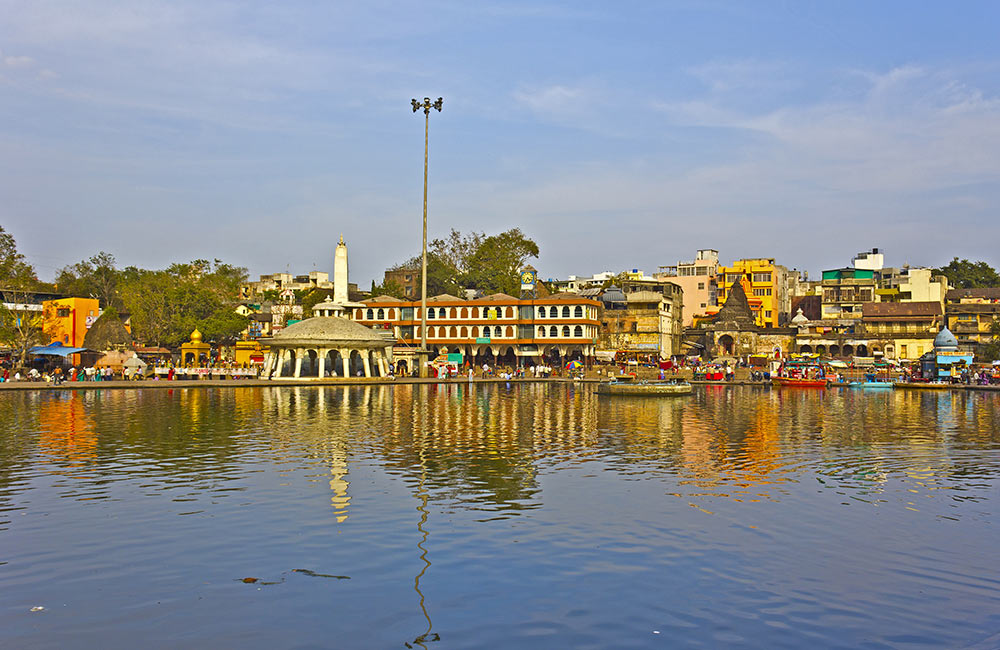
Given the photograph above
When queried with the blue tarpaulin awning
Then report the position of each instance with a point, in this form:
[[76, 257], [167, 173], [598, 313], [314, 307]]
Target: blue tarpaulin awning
[[56, 349]]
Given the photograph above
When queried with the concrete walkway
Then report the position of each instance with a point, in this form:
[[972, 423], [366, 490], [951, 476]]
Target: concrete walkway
[[382, 381]]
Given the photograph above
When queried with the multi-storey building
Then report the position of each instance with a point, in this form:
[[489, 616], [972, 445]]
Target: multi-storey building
[[911, 285], [643, 317], [900, 330], [971, 313], [769, 283], [845, 291], [497, 329], [406, 279], [697, 280], [576, 284], [286, 281]]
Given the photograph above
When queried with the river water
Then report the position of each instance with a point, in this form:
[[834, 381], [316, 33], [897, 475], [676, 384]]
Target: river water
[[495, 516]]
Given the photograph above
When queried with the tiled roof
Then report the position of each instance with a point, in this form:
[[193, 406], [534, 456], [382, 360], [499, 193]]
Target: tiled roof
[[991, 293], [900, 309]]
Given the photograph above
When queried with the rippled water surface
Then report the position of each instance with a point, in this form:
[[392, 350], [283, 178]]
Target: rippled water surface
[[488, 516]]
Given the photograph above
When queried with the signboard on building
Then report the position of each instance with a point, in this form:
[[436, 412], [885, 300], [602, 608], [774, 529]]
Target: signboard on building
[[528, 280], [482, 340]]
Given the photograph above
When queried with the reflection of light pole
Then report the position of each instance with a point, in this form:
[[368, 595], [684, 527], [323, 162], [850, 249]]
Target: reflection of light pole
[[427, 106]]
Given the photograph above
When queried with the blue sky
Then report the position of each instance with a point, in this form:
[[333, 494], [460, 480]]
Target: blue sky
[[617, 135]]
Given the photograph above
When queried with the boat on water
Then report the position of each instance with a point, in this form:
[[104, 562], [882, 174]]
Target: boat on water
[[871, 381], [871, 384], [799, 382], [644, 388]]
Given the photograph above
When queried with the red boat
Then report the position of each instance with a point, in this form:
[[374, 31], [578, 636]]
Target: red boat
[[798, 382]]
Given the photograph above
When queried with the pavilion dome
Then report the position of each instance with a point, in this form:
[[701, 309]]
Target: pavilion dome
[[329, 332], [945, 341], [800, 318]]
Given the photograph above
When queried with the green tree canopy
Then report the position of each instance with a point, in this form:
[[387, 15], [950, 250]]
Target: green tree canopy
[[490, 264], [496, 264], [97, 277], [15, 272], [166, 306], [964, 274]]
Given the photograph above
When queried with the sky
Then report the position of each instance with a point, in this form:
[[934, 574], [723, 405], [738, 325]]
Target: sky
[[616, 135]]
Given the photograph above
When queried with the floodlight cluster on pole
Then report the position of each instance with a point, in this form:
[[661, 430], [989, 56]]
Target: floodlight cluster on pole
[[426, 105]]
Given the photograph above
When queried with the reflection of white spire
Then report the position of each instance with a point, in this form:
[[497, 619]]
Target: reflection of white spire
[[341, 499]]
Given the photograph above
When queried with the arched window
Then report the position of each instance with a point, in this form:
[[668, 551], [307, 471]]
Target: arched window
[[508, 313], [486, 332], [443, 313], [465, 332], [390, 314], [465, 313], [358, 314], [553, 331], [431, 313], [381, 314], [510, 332], [541, 332], [454, 312], [430, 332], [454, 332], [578, 312], [565, 311], [566, 331], [541, 312], [578, 331], [370, 315]]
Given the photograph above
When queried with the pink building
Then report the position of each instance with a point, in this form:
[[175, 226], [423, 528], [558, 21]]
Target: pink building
[[698, 281]]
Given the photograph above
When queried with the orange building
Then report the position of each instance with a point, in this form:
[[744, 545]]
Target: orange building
[[67, 320]]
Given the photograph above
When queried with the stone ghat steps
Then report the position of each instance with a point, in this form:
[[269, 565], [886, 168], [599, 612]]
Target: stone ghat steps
[[378, 381]]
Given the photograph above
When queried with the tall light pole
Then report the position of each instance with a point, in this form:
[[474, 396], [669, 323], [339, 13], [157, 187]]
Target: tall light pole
[[427, 106]]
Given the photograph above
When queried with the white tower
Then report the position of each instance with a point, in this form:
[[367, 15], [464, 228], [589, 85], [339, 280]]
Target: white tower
[[340, 273]]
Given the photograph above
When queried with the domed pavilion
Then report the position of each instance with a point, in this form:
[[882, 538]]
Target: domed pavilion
[[326, 346]]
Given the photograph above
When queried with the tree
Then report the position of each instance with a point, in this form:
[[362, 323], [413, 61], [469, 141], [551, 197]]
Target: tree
[[96, 277], [474, 261], [20, 330], [442, 277], [387, 288], [496, 264], [166, 306], [15, 273], [964, 274], [312, 299], [991, 351]]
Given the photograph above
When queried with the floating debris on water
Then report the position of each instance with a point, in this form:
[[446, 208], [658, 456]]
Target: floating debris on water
[[313, 574], [38, 608]]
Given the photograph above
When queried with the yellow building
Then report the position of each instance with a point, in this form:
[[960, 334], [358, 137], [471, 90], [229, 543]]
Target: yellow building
[[768, 283]]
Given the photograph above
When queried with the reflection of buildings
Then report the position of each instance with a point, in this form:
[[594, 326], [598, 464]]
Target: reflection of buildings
[[66, 430]]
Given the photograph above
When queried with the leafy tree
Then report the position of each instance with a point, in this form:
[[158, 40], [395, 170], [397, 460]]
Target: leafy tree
[[96, 277], [311, 299], [964, 274], [20, 330], [496, 264], [15, 272], [457, 250], [387, 288], [166, 306], [991, 351], [490, 264], [442, 277]]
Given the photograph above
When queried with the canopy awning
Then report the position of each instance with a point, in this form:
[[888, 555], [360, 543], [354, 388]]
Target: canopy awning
[[56, 349]]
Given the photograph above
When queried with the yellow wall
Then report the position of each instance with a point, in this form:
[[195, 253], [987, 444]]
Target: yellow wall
[[71, 328], [768, 303]]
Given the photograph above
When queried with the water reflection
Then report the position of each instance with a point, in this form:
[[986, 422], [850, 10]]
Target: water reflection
[[377, 481]]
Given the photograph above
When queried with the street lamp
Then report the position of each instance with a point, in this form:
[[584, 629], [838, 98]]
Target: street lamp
[[427, 105]]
